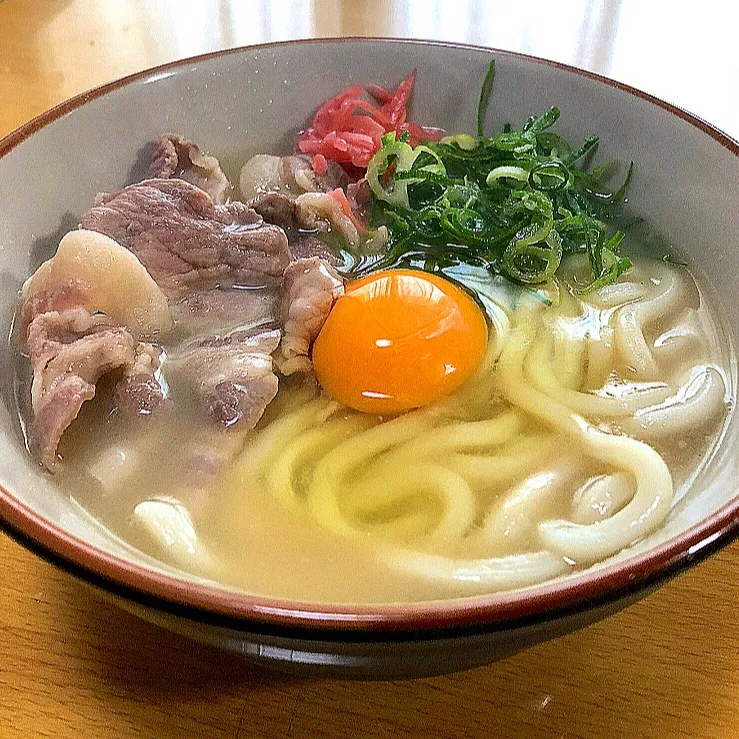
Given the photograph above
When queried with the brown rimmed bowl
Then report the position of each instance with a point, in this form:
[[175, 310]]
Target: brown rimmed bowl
[[256, 98]]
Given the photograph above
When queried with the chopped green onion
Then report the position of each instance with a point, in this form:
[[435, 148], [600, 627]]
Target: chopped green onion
[[402, 156], [589, 144], [514, 203], [549, 176], [508, 171], [482, 106], [462, 140], [530, 259]]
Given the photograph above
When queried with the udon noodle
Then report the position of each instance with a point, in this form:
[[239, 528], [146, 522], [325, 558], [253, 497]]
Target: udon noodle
[[386, 367], [545, 461]]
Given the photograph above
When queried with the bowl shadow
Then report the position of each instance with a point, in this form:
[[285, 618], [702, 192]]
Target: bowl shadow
[[663, 667]]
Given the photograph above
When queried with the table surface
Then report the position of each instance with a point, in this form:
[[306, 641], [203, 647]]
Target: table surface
[[72, 665]]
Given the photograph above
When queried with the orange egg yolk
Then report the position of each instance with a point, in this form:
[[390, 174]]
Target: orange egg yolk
[[398, 340]]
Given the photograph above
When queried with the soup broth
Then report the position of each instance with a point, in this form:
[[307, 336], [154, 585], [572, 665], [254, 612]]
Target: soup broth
[[516, 478], [394, 365]]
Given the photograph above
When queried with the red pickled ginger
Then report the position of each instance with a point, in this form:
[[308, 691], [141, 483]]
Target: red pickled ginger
[[347, 128]]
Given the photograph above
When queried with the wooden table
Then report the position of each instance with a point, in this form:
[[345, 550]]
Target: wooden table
[[72, 665]]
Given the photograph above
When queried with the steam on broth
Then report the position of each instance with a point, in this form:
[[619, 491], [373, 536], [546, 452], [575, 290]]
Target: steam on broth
[[383, 380]]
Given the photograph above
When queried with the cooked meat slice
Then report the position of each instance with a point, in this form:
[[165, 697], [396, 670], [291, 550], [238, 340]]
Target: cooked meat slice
[[74, 342], [321, 211], [53, 418], [310, 288], [232, 375], [69, 352], [209, 366], [212, 309], [206, 454], [264, 341], [139, 392], [290, 175], [210, 361], [93, 271], [310, 246], [297, 171], [277, 208], [287, 192], [359, 196], [88, 356], [58, 298], [286, 212], [187, 242], [176, 156], [242, 402], [260, 175], [312, 211]]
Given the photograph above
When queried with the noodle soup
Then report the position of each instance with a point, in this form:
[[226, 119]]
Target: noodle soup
[[567, 445], [407, 369]]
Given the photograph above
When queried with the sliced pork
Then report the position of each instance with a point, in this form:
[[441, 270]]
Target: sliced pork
[[140, 391], [82, 316], [232, 375], [289, 175], [207, 310], [73, 342], [176, 156], [161, 253], [69, 352], [359, 196], [55, 416], [95, 272], [327, 211], [277, 208], [186, 241], [274, 187], [242, 401], [310, 288], [57, 298], [307, 245], [310, 211]]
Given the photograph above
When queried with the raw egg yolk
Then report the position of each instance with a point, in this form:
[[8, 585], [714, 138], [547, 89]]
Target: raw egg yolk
[[397, 340]]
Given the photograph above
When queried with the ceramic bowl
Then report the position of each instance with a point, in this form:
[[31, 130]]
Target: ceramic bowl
[[256, 99]]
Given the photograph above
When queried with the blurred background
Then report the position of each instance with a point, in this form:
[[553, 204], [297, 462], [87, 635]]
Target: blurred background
[[684, 52]]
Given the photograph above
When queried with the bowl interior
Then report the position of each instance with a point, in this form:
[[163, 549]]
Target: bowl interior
[[256, 99]]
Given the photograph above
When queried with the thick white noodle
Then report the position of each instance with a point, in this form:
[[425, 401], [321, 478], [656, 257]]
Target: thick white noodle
[[599, 358], [114, 466], [601, 497], [632, 320], [616, 295], [511, 522], [698, 401], [267, 444], [482, 575], [332, 471], [373, 496], [281, 473], [540, 371], [654, 489], [485, 471], [650, 505], [464, 436], [680, 342], [457, 493], [569, 358]]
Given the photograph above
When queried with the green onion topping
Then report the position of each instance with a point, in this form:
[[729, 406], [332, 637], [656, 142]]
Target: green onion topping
[[515, 202]]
